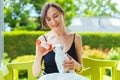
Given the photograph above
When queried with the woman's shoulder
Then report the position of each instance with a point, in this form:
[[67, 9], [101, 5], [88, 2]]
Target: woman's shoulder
[[78, 41], [75, 35], [77, 38]]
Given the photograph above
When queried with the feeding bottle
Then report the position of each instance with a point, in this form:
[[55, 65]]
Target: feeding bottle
[[44, 44]]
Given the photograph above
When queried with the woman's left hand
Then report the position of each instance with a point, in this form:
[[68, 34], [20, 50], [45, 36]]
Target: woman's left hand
[[69, 64]]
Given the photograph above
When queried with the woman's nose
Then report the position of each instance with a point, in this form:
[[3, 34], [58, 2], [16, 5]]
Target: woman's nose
[[53, 22]]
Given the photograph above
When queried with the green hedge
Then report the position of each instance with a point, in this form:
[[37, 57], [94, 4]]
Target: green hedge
[[20, 43], [101, 40], [23, 42]]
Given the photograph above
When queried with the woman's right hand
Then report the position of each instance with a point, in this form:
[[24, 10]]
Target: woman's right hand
[[41, 51]]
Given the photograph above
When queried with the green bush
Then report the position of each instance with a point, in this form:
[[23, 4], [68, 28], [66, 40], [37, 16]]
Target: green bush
[[23, 42], [101, 40], [93, 53], [20, 43]]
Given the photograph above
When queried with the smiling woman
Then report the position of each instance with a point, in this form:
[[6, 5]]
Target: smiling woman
[[52, 16], [1, 32]]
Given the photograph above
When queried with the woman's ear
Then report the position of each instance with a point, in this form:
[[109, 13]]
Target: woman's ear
[[62, 13]]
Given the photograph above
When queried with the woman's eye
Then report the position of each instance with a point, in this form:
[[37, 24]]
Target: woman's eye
[[48, 19], [55, 16]]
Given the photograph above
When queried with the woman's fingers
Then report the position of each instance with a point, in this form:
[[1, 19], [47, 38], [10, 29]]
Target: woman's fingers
[[41, 51], [69, 64], [69, 67]]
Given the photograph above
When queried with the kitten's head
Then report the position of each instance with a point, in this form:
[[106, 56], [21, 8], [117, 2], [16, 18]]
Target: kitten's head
[[58, 48]]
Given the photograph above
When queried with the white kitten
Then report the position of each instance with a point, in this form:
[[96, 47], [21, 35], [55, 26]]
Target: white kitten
[[60, 57]]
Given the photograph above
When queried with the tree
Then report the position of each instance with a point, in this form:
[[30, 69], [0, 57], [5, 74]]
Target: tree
[[96, 8], [17, 13]]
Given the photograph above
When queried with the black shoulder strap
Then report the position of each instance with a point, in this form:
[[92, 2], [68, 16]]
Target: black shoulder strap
[[74, 37], [45, 38]]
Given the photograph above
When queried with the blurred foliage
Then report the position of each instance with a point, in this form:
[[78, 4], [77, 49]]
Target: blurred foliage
[[23, 42], [17, 13], [96, 8], [93, 53], [114, 54], [98, 53]]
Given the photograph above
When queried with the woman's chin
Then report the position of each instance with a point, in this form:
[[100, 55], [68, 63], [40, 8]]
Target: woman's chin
[[56, 28]]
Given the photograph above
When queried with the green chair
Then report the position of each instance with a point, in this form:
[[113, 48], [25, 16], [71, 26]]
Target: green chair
[[14, 69], [96, 69], [118, 71]]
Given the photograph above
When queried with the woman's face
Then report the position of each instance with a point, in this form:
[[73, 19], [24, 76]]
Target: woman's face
[[54, 19]]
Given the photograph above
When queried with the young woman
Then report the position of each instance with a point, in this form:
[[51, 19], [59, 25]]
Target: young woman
[[52, 16]]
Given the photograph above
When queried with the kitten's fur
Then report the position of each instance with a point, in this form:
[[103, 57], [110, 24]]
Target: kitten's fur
[[60, 57]]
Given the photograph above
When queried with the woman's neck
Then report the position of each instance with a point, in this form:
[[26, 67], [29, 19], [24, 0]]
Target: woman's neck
[[60, 33]]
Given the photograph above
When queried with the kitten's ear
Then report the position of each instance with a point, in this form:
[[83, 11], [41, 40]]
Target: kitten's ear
[[62, 47]]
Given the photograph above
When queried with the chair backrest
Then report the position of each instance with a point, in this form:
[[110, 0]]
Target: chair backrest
[[14, 69], [97, 68]]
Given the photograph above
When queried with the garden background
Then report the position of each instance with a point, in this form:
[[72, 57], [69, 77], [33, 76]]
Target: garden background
[[22, 26]]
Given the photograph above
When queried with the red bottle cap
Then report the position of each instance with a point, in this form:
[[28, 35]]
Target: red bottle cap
[[50, 47], [38, 42]]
